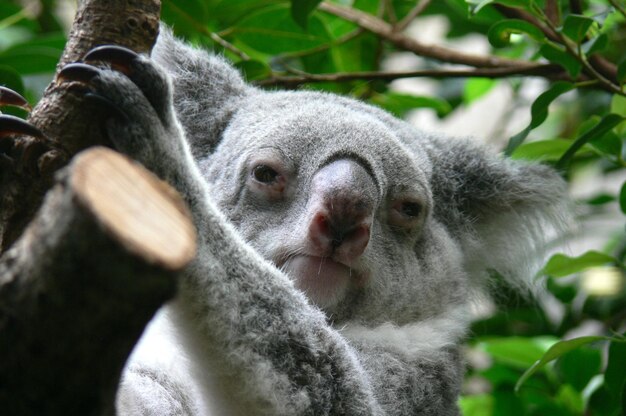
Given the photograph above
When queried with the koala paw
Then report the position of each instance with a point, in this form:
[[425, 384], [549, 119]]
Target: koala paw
[[136, 100], [22, 145]]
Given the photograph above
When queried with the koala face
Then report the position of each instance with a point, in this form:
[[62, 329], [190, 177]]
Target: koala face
[[329, 193]]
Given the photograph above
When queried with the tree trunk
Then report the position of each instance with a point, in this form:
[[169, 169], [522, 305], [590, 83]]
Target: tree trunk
[[69, 123], [78, 287], [80, 284]]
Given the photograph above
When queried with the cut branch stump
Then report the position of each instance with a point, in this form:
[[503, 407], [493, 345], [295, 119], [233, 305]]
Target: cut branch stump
[[78, 287]]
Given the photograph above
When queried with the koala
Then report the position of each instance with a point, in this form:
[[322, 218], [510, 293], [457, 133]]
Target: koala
[[339, 247]]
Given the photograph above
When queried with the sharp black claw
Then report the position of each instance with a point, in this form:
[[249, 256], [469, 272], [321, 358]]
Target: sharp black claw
[[119, 57], [10, 125], [10, 97], [112, 109], [77, 72]]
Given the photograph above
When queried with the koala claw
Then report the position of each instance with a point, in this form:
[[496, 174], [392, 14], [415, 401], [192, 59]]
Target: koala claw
[[10, 125], [77, 72], [10, 97], [118, 57], [85, 73]]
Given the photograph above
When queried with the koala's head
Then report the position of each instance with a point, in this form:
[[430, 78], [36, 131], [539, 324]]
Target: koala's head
[[327, 191], [369, 217]]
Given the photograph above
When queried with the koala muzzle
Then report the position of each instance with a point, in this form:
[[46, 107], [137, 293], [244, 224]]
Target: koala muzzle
[[341, 208]]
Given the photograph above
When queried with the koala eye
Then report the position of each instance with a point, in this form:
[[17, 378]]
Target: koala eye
[[265, 174], [406, 213], [267, 179], [410, 209]]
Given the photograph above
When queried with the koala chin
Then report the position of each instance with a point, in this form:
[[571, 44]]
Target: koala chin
[[338, 246]]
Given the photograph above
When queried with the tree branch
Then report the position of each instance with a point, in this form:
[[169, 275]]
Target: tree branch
[[69, 123], [215, 37], [513, 13], [336, 42], [553, 12], [78, 287], [550, 71], [606, 68], [415, 11], [386, 31], [587, 67]]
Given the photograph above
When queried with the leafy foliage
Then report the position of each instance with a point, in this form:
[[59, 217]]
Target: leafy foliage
[[528, 359]]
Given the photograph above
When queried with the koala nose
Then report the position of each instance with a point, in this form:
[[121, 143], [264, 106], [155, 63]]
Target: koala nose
[[342, 206]]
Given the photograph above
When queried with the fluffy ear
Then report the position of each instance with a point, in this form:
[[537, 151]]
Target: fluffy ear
[[206, 90], [505, 213]]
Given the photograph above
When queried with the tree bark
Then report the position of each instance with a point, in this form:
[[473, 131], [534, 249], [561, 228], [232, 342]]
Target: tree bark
[[82, 281], [69, 124]]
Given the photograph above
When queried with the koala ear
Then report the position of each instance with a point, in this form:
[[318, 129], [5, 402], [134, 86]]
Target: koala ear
[[206, 90], [505, 213]]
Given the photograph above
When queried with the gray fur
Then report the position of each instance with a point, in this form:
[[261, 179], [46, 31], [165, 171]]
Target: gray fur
[[240, 338]]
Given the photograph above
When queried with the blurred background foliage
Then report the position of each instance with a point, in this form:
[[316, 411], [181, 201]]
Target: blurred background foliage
[[557, 71]]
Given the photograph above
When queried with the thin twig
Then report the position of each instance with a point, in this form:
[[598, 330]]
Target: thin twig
[[553, 12], [386, 31], [227, 45], [391, 13], [606, 68], [580, 57], [214, 36], [550, 71], [618, 6], [336, 42], [513, 13], [415, 11]]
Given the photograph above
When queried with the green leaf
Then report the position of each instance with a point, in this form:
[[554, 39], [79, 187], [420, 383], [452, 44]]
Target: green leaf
[[595, 45], [561, 265], [615, 373], [302, 9], [476, 5], [538, 112], [622, 198], [618, 106], [400, 104], [516, 352], [499, 34], [39, 55], [476, 405], [499, 374], [555, 352], [570, 399], [543, 150], [603, 403], [607, 123], [476, 88], [185, 17], [558, 55], [576, 27], [507, 403], [31, 60], [254, 70], [601, 199], [607, 145], [579, 366], [10, 78], [563, 292], [272, 30]]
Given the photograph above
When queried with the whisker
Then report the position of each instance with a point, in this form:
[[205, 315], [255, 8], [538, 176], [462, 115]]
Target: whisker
[[319, 272]]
